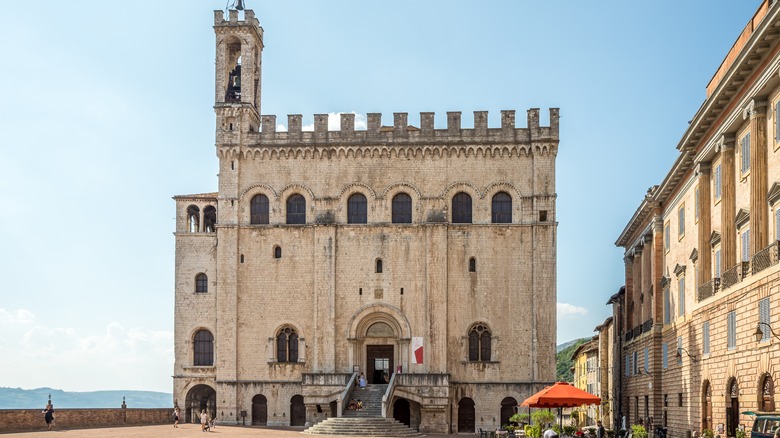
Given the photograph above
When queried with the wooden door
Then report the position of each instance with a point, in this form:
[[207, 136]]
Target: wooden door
[[297, 411], [379, 366], [259, 410], [466, 416]]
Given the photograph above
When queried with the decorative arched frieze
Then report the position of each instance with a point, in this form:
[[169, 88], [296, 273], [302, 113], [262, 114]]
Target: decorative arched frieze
[[394, 188], [461, 186], [501, 186], [351, 188], [255, 189], [289, 189]]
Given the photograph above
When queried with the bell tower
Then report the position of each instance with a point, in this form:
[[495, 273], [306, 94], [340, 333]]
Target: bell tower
[[238, 70]]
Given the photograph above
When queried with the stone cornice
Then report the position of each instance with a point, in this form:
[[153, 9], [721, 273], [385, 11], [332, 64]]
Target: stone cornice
[[756, 107], [774, 194]]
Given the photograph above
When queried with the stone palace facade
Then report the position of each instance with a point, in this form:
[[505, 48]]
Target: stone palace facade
[[423, 258]]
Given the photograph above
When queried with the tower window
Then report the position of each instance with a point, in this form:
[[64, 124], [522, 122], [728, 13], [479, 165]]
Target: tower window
[[209, 219], [378, 266], [461, 208], [479, 344], [543, 216], [402, 209], [201, 283], [502, 208], [277, 252], [287, 345], [357, 209], [296, 210], [472, 264], [258, 209], [203, 348], [193, 219]]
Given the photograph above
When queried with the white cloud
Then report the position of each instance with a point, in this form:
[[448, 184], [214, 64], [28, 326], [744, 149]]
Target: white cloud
[[19, 317], [566, 309]]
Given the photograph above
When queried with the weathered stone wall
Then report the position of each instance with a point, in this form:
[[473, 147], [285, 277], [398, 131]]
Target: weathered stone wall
[[28, 420]]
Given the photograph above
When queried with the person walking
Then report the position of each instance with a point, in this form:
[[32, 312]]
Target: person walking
[[48, 415], [176, 416], [204, 420], [600, 432], [362, 381]]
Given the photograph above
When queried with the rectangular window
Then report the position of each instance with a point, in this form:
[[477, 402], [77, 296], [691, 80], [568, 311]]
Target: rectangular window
[[679, 350], [679, 399], [777, 122], [636, 362], [647, 360], [731, 330], [667, 307], [628, 365], [745, 151], [705, 337], [681, 296], [717, 263], [746, 246], [718, 185], [696, 205], [763, 317], [665, 355], [681, 221], [667, 234]]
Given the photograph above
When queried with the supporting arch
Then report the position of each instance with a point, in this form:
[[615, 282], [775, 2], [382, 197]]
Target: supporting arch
[[199, 398]]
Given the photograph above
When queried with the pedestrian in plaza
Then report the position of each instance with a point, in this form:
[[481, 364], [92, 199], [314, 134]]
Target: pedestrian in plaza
[[204, 420], [600, 433], [48, 415], [550, 433], [176, 416], [362, 381]]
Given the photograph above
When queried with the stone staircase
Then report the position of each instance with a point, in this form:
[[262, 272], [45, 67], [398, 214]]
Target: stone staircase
[[367, 422]]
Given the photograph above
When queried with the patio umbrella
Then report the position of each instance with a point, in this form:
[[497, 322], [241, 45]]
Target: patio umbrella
[[560, 395]]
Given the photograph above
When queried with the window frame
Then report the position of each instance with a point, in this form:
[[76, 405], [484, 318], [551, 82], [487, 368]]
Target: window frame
[[705, 335], [718, 182], [681, 296], [294, 202], [401, 208], [681, 221], [480, 343], [462, 208], [731, 330], [357, 209], [501, 209], [259, 210], [764, 315], [667, 237], [201, 283], [287, 345], [203, 348]]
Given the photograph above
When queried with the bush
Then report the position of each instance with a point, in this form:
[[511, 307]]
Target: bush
[[569, 430], [740, 433], [519, 418], [638, 431], [533, 431], [708, 433]]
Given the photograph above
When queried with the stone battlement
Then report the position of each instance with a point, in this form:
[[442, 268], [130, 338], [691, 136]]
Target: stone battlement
[[249, 18], [402, 130]]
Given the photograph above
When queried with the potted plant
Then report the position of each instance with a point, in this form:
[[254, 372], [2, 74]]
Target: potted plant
[[708, 433], [638, 431]]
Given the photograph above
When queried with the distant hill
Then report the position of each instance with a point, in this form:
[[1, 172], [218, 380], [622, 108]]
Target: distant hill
[[17, 398], [563, 360]]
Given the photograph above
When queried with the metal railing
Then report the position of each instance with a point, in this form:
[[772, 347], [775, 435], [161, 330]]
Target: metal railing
[[647, 326], [766, 257], [731, 276], [709, 288]]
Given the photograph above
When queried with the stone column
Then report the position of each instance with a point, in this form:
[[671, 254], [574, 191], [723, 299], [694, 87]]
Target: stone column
[[728, 243], [756, 110], [703, 170], [658, 265]]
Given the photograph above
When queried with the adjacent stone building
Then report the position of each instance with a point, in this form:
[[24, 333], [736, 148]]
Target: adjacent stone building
[[423, 258], [697, 320]]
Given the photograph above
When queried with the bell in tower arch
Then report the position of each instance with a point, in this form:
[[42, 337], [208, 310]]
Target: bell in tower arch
[[234, 85]]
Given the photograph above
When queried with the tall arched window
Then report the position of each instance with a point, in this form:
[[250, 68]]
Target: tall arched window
[[296, 210], [209, 219], [357, 209], [287, 345], [472, 264], [767, 397], [193, 219], [378, 269], [203, 348], [258, 209], [201, 283], [461, 208], [479, 344], [706, 411], [402, 209], [502, 208]]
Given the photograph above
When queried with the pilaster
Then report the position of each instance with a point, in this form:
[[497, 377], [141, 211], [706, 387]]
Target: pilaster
[[756, 110], [704, 172], [728, 201], [629, 291], [658, 265]]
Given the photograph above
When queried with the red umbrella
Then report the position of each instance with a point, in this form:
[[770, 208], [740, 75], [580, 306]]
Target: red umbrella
[[560, 395]]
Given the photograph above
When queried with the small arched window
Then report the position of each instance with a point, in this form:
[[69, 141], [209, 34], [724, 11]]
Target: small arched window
[[201, 283], [209, 219], [502, 208], [193, 219], [402, 209], [258, 209], [287, 345], [479, 344], [767, 398], [461, 208], [296, 210], [357, 209], [277, 252], [472, 264], [203, 348], [378, 269]]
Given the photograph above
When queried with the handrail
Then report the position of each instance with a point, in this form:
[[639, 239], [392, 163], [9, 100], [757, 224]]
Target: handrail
[[345, 394], [388, 394]]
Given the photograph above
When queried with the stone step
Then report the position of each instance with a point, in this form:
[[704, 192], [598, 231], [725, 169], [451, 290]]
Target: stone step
[[370, 426]]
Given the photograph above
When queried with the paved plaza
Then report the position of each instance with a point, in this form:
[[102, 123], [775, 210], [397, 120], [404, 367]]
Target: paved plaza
[[184, 430]]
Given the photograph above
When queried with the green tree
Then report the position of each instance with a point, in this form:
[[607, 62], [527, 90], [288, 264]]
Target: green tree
[[563, 360]]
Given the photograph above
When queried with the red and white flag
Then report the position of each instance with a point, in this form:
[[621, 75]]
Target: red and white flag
[[417, 350]]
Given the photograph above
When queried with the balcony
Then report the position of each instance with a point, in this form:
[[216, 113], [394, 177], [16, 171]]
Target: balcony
[[647, 326], [709, 288], [766, 257], [730, 277], [629, 335]]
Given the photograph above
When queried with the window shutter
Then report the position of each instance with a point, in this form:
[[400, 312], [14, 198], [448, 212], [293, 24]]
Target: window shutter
[[647, 362], [705, 334], [681, 297], [732, 330], [666, 307], [763, 316], [717, 182], [665, 355], [679, 350], [628, 364], [777, 223]]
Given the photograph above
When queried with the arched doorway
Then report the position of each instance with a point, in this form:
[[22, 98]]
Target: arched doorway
[[706, 408], [766, 391], [732, 408], [297, 411], [466, 415], [380, 356], [508, 406], [200, 398], [402, 411], [259, 410]]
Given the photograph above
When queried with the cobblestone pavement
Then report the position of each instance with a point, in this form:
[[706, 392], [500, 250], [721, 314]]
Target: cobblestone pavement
[[184, 430]]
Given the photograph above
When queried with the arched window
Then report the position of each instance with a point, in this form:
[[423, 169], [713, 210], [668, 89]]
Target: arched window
[[508, 408], [287, 345], [378, 266], [209, 219], [203, 349], [767, 391], [461, 208], [258, 209], [706, 412], [479, 344], [357, 209], [296, 210], [402, 209], [472, 264], [201, 283], [193, 219], [502, 208], [277, 252]]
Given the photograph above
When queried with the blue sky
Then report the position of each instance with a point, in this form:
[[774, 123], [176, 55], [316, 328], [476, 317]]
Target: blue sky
[[106, 112]]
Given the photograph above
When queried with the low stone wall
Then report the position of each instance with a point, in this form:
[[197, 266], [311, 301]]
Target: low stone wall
[[26, 420]]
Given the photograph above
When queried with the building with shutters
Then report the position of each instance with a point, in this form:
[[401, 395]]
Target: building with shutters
[[423, 258], [702, 280]]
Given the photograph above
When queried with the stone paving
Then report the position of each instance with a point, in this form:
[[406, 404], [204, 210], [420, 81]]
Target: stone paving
[[184, 430]]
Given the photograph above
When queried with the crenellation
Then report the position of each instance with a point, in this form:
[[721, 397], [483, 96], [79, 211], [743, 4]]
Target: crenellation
[[426, 123], [480, 122], [295, 125], [453, 122], [347, 123], [320, 125], [400, 124], [268, 124], [508, 120], [374, 123]]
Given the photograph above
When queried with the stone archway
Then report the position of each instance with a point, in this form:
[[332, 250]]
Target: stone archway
[[379, 335], [732, 407], [199, 398], [259, 410]]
